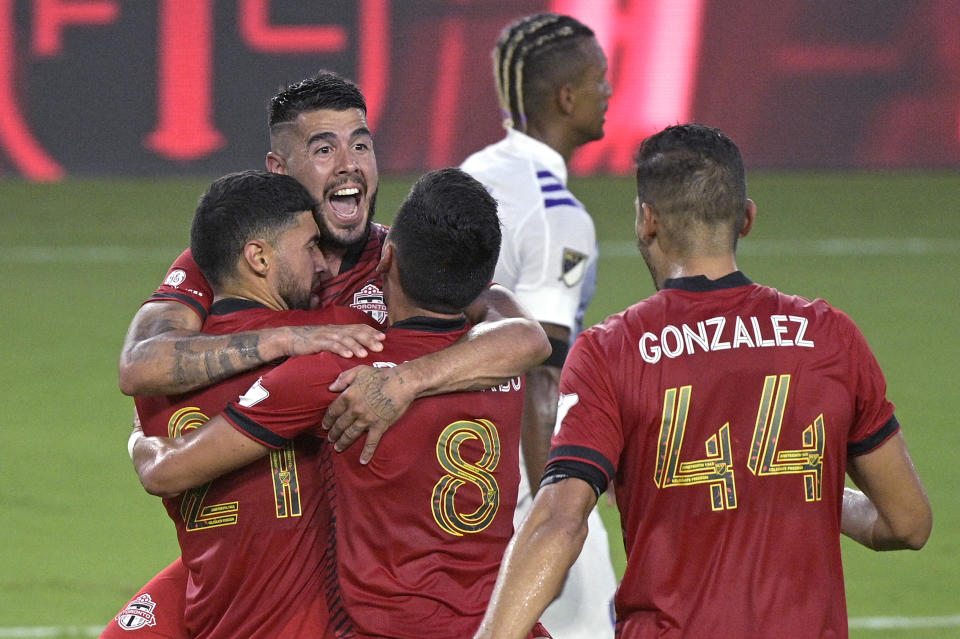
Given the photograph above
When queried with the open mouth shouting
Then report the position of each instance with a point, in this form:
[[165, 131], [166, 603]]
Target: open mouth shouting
[[344, 202]]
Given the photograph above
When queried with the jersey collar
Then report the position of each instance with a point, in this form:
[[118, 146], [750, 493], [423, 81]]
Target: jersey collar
[[432, 324], [229, 305], [524, 145], [700, 283]]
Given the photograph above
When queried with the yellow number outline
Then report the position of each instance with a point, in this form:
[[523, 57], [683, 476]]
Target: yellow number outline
[[196, 516], [765, 459], [461, 472]]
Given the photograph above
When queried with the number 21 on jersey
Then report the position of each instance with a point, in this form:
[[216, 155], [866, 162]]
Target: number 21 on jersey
[[198, 515]]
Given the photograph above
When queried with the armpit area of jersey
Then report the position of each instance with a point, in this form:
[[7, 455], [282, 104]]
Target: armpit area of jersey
[[567, 468]]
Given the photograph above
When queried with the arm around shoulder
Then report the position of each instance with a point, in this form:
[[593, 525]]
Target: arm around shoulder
[[505, 342], [165, 353], [168, 466]]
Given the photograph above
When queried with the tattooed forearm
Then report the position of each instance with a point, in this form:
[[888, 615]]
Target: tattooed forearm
[[165, 352], [208, 359], [144, 332], [248, 348]]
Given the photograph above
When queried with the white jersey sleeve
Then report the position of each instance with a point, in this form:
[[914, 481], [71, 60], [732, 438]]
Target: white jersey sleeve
[[551, 250], [549, 246]]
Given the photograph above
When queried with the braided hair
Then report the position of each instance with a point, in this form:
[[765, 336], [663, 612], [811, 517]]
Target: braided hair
[[528, 46]]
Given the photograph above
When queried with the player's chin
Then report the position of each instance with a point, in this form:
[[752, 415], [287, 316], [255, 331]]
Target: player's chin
[[352, 234]]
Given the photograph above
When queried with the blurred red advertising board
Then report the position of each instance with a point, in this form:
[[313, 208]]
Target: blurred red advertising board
[[107, 87]]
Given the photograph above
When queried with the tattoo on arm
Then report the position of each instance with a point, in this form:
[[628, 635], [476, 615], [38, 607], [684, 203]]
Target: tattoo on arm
[[191, 361], [381, 404], [146, 331]]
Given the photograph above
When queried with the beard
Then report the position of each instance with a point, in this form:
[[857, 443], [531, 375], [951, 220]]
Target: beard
[[645, 254], [330, 238], [293, 292]]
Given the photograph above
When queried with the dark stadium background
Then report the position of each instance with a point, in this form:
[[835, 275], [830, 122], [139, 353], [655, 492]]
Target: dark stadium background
[[115, 115]]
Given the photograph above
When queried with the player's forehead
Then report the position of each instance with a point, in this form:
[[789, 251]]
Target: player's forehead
[[345, 124]]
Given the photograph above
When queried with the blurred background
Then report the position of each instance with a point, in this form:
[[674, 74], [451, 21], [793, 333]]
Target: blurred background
[[107, 87], [116, 114]]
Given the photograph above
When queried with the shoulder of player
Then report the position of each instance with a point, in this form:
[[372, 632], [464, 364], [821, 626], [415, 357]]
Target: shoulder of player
[[509, 177], [817, 310], [378, 232], [315, 371]]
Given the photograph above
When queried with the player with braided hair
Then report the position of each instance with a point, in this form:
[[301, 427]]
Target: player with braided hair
[[550, 76]]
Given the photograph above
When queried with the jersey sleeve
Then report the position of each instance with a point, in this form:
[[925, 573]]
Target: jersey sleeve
[[874, 421], [554, 251], [287, 401], [588, 438], [185, 283]]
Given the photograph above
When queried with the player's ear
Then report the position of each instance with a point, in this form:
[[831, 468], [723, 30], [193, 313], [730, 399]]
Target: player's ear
[[749, 218], [257, 256], [275, 163], [566, 98], [647, 222], [387, 257]]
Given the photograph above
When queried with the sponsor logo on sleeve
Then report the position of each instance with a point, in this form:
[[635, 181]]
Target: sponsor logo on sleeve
[[567, 401], [175, 278], [573, 267], [254, 395]]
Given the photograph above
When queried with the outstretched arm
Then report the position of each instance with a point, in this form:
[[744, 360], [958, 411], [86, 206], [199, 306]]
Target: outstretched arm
[[168, 466], [892, 512], [506, 343], [165, 353], [537, 560]]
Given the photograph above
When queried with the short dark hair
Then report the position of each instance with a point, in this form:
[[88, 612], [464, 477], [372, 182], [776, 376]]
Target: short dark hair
[[240, 207], [325, 90], [691, 173], [447, 239], [533, 54]]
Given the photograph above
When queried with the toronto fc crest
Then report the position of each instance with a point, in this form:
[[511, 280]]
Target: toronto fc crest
[[369, 299], [138, 614]]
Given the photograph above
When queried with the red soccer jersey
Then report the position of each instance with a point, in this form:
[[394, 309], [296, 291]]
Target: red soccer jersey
[[421, 529], [358, 285], [724, 412], [253, 539]]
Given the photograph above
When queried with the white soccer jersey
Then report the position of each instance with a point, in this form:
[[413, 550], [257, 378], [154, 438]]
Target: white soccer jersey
[[549, 248], [548, 259]]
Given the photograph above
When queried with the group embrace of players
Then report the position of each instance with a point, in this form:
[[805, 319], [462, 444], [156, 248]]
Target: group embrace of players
[[295, 326]]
